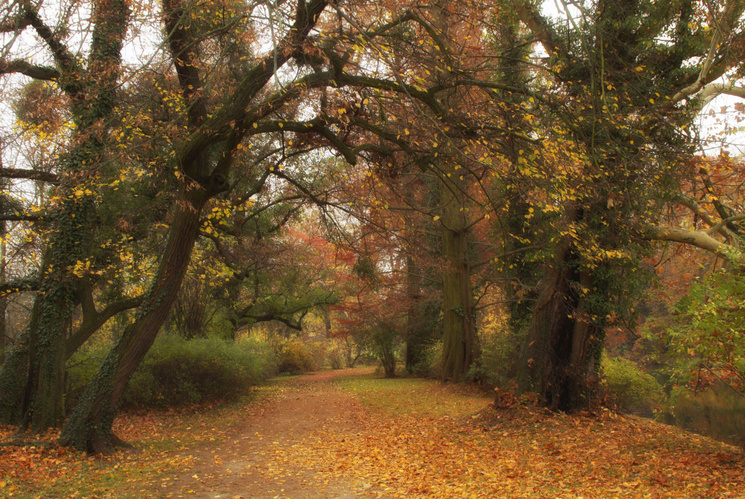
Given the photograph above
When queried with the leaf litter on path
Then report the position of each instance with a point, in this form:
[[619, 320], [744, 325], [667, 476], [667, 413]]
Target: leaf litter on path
[[312, 439]]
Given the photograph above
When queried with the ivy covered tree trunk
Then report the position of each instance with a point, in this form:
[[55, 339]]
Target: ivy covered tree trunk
[[622, 83], [520, 231], [564, 341], [89, 426], [32, 379]]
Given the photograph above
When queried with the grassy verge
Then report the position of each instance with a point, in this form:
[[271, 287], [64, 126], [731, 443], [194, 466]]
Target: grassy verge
[[414, 396]]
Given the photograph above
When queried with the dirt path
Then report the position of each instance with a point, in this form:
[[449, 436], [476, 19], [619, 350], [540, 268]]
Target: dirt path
[[263, 458]]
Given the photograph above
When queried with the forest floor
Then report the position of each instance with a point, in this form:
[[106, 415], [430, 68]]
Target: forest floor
[[348, 434]]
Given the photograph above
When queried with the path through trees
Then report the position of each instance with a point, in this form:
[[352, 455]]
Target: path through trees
[[354, 434], [266, 457]]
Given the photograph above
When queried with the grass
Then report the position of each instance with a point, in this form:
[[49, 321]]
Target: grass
[[416, 438], [414, 395]]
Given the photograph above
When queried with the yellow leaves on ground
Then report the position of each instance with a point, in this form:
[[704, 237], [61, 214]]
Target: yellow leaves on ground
[[526, 452], [411, 438]]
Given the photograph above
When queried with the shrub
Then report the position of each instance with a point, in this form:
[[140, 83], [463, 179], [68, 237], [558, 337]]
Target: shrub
[[631, 388], [335, 357], [295, 357], [177, 371], [494, 362], [430, 363]]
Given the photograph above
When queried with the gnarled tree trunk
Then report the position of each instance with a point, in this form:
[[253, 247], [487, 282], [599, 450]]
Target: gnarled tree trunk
[[89, 426], [564, 343]]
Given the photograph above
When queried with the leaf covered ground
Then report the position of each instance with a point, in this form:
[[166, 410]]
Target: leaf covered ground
[[356, 435]]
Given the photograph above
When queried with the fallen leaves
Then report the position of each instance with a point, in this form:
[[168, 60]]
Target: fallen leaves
[[449, 452], [525, 452]]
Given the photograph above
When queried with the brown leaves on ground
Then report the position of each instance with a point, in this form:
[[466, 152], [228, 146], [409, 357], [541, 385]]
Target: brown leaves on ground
[[313, 439], [525, 452], [36, 466]]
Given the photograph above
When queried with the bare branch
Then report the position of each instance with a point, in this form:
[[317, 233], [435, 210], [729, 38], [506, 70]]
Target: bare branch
[[17, 24], [709, 92], [721, 31], [59, 50], [23, 67], [52, 178], [698, 238]]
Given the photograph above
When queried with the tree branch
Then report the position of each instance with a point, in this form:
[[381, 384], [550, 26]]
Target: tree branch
[[698, 238], [59, 50], [52, 178], [93, 319], [721, 31], [18, 286], [530, 16], [709, 92], [19, 217], [17, 24], [30, 70]]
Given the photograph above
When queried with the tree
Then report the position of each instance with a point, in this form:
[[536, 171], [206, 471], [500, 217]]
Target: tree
[[204, 160], [620, 85], [38, 363]]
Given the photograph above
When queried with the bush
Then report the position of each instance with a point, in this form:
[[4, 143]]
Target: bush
[[177, 371], [295, 357], [335, 357], [430, 363], [492, 366], [632, 389]]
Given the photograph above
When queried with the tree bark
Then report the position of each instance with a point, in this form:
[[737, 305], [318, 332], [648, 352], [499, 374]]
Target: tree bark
[[460, 343], [37, 367], [89, 426], [564, 342]]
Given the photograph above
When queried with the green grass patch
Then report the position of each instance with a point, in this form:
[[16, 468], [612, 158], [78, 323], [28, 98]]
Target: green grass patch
[[419, 396]]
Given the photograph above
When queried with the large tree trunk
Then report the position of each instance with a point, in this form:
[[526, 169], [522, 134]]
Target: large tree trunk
[[89, 426], [460, 343], [36, 366], [564, 341]]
